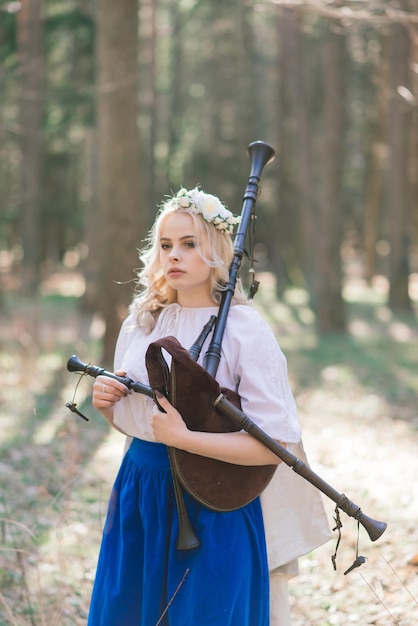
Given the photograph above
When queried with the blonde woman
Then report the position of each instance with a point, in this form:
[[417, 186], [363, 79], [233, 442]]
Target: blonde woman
[[142, 579]]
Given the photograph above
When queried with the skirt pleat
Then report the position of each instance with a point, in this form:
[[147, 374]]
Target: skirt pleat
[[141, 576]]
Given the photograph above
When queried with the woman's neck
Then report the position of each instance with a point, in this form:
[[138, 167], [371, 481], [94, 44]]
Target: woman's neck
[[195, 301]]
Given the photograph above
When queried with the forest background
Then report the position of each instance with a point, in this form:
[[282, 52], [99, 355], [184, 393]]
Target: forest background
[[107, 107]]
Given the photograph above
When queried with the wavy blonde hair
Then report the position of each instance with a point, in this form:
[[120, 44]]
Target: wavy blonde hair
[[153, 292]]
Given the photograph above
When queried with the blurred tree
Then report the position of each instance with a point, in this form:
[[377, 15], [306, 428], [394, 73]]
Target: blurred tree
[[69, 117], [328, 233], [376, 159], [313, 118], [413, 143], [398, 179], [118, 217], [62, 106], [297, 221], [31, 69], [149, 94], [210, 90], [10, 152], [365, 127]]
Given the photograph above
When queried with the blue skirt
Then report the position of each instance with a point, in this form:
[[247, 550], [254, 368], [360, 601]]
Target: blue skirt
[[140, 571]]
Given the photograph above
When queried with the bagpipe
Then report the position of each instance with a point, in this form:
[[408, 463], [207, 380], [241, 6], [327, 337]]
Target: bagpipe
[[207, 407]]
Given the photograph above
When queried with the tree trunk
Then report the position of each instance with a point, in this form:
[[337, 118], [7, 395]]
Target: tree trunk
[[377, 163], [149, 96], [119, 214], [296, 166], [329, 303], [397, 192], [413, 145], [31, 67]]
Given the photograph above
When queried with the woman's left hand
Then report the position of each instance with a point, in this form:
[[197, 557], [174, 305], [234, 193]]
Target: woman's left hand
[[169, 427]]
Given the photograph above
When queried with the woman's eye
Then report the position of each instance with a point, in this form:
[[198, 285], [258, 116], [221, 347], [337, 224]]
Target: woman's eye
[[190, 244], [165, 246]]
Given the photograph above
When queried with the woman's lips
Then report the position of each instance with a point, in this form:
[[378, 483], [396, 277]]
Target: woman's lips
[[175, 272]]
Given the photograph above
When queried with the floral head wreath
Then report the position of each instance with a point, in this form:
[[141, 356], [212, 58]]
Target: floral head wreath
[[209, 207]]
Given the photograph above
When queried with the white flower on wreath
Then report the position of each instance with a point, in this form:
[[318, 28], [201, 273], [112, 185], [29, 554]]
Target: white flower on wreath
[[208, 206]]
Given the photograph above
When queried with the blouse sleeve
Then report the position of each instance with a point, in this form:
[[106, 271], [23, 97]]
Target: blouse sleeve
[[122, 342], [260, 372], [132, 413]]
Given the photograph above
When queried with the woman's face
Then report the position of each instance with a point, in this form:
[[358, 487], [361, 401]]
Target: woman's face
[[183, 267]]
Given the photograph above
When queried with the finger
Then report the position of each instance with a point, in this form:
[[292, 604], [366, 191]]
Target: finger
[[105, 385], [102, 386], [162, 401], [160, 396]]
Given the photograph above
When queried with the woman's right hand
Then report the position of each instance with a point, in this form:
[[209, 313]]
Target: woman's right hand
[[107, 391]]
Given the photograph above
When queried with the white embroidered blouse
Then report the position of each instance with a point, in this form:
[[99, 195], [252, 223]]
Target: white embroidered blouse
[[252, 364]]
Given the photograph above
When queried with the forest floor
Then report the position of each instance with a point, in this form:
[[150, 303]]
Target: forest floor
[[357, 399]]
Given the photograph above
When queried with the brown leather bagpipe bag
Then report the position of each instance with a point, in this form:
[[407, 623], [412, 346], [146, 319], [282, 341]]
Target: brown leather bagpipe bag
[[217, 485]]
